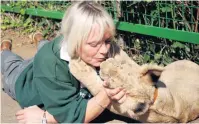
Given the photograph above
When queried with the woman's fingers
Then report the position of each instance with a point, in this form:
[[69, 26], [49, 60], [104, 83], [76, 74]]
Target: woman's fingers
[[119, 95], [20, 117], [20, 112], [105, 83], [113, 92], [122, 99], [22, 121]]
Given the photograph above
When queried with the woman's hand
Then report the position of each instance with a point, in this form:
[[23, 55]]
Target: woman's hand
[[31, 114], [117, 94]]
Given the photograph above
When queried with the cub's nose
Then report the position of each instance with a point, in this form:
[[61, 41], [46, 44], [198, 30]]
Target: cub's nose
[[140, 107]]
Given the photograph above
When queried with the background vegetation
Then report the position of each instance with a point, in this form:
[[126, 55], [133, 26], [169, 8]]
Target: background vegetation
[[142, 48]]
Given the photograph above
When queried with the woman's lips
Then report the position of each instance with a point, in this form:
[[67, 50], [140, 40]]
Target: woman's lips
[[100, 59]]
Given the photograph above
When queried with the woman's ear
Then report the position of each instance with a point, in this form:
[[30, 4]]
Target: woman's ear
[[151, 73]]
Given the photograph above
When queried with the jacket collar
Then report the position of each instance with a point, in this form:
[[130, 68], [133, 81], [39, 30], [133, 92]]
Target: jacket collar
[[64, 54]]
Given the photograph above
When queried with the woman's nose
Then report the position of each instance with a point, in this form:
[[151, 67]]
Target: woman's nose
[[104, 49]]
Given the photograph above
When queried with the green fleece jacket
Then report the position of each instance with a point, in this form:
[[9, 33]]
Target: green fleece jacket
[[48, 83]]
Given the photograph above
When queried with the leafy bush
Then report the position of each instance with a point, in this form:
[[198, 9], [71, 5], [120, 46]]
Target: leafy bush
[[148, 49], [142, 48], [179, 15]]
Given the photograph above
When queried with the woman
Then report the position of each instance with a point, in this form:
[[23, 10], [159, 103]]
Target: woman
[[45, 81]]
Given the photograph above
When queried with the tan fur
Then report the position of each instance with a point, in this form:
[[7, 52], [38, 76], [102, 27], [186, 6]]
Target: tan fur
[[178, 88]]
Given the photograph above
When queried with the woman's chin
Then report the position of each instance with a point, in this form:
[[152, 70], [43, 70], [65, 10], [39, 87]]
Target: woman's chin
[[96, 64]]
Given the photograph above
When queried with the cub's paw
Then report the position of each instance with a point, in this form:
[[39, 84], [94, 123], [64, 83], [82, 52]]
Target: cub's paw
[[111, 71], [81, 70], [108, 68]]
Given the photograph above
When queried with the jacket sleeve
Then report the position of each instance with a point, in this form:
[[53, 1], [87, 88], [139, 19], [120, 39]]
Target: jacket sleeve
[[61, 99]]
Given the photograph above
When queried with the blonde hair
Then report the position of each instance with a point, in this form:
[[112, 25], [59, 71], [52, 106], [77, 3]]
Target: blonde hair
[[78, 22]]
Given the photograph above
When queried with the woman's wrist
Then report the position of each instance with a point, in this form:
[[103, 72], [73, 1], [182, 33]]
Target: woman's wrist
[[44, 119], [99, 104], [49, 118], [102, 99]]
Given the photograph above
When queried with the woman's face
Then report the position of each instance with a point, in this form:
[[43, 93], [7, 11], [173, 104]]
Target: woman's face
[[92, 51]]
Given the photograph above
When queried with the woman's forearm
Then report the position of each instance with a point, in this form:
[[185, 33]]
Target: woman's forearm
[[96, 106]]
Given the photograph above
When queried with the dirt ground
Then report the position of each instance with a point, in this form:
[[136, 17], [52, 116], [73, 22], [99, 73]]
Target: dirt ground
[[23, 47]]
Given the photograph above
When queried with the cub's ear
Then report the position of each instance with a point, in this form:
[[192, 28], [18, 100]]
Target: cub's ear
[[150, 73]]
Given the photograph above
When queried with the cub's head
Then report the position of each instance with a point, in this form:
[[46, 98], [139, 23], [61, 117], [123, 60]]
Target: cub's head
[[140, 84], [144, 92]]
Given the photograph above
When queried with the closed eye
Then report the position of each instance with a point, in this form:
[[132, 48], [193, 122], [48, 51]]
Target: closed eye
[[93, 44]]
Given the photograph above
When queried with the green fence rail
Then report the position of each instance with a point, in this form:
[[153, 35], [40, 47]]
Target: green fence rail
[[167, 19]]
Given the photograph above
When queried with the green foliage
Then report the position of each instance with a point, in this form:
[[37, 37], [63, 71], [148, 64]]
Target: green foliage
[[29, 24], [147, 49], [179, 15], [143, 49]]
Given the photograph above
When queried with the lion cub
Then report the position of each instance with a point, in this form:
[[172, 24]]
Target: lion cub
[[156, 94]]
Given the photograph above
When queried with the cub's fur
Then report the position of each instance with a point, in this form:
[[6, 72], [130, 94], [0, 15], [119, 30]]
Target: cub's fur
[[156, 94]]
